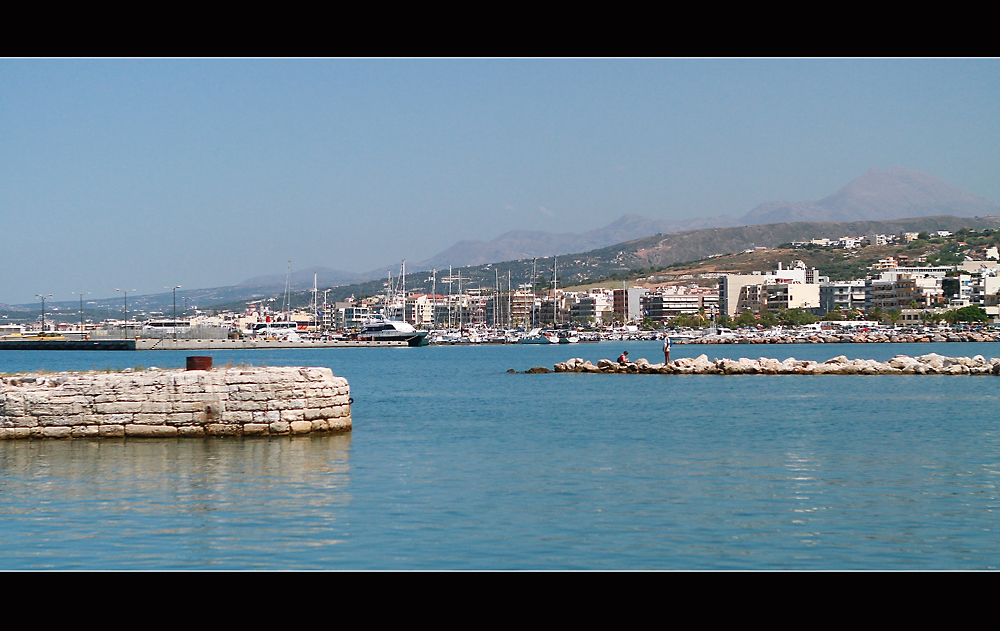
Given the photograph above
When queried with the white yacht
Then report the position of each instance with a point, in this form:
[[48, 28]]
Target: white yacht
[[287, 330], [376, 328], [537, 336]]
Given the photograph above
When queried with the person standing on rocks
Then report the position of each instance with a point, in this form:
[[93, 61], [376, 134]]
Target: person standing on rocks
[[666, 349]]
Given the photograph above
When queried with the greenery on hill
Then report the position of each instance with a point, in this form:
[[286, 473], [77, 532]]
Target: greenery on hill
[[650, 258]]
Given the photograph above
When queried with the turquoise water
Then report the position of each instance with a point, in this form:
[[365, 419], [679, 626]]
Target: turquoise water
[[455, 464]]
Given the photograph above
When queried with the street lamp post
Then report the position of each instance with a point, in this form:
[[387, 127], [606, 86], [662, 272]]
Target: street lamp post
[[174, 327], [81, 294], [125, 326], [40, 296]]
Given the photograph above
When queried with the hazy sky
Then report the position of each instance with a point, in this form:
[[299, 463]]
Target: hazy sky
[[205, 173]]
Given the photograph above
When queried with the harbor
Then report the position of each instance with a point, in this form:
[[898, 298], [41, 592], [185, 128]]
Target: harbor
[[649, 471]]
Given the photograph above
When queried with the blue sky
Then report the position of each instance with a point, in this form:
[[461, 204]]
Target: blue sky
[[201, 173]]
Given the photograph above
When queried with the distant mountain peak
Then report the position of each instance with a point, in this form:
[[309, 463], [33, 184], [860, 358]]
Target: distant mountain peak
[[880, 195]]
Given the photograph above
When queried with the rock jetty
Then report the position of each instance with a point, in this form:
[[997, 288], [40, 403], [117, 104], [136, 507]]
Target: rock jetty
[[930, 364], [852, 338], [168, 403]]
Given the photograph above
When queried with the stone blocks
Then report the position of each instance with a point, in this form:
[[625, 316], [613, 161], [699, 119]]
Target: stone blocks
[[930, 364], [165, 404]]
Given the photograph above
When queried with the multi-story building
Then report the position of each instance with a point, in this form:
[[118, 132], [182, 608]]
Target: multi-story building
[[353, 316], [842, 295], [628, 303], [734, 299], [591, 308], [983, 286], [893, 290], [421, 309]]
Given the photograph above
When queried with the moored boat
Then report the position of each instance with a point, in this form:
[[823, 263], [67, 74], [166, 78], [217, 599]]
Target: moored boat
[[379, 329], [537, 336]]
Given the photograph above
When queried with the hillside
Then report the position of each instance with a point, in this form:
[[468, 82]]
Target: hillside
[[839, 264], [673, 253], [877, 196], [668, 249], [632, 259]]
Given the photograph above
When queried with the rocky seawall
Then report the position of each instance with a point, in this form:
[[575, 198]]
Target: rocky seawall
[[930, 364], [852, 338], [169, 403]]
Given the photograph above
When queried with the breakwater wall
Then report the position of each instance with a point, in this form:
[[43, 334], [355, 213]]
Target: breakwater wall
[[930, 364], [853, 338], [168, 344], [67, 345], [169, 403]]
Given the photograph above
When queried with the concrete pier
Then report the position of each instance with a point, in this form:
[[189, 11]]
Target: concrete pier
[[167, 344], [172, 403], [66, 345]]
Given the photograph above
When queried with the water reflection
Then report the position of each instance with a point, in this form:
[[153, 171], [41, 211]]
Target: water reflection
[[183, 502]]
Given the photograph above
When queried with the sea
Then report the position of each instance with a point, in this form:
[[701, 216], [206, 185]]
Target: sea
[[455, 464]]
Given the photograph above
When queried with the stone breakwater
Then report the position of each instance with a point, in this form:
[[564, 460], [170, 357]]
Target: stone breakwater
[[853, 338], [168, 403], [930, 364]]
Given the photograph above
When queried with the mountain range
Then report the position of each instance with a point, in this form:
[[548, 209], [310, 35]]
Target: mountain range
[[878, 195]]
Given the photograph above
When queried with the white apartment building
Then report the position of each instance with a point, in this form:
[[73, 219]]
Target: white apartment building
[[731, 289]]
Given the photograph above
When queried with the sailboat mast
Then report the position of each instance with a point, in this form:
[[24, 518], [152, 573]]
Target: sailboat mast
[[510, 313], [533, 277], [555, 281], [388, 294], [285, 306]]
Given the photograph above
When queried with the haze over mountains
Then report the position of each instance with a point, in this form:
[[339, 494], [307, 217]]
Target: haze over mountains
[[877, 195]]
